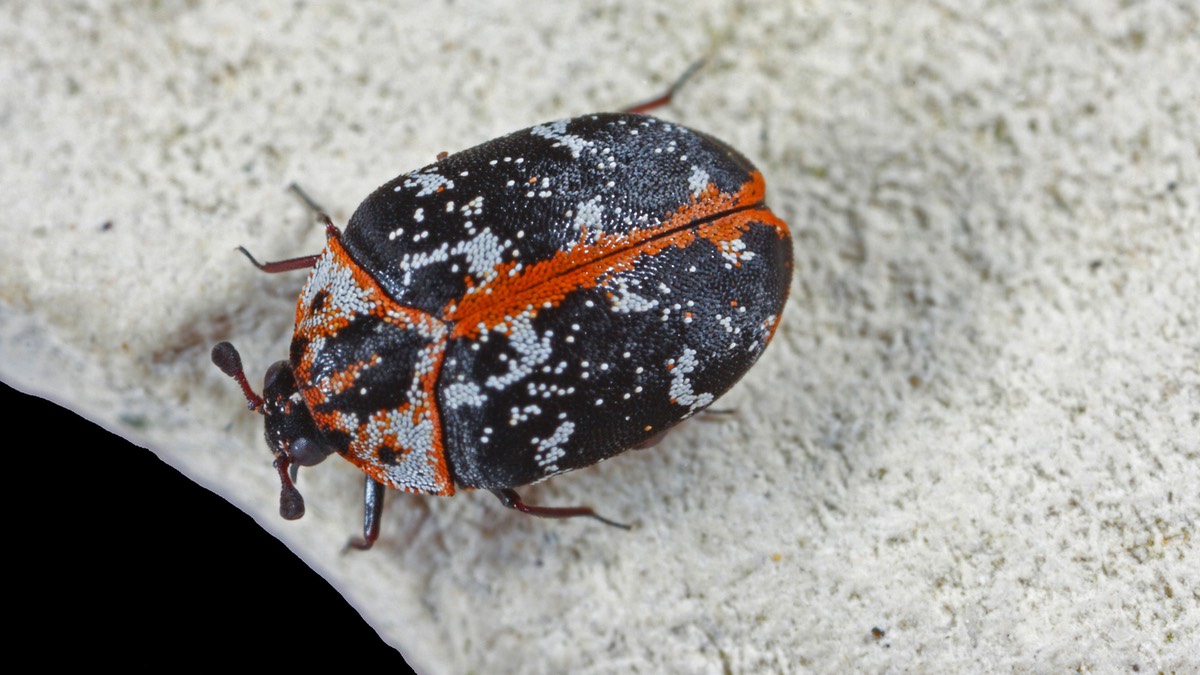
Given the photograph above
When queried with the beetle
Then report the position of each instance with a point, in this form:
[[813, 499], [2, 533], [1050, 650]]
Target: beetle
[[532, 305]]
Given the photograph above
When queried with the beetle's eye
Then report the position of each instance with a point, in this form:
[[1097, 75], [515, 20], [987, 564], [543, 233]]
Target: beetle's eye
[[279, 379], [307, 453]]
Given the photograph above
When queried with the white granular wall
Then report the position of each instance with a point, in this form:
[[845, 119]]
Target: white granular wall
[[977, 430]]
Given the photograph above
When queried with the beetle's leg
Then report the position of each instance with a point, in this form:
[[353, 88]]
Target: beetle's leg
[[294, 263], [704, 414], [666, 97], [308, 201], [281, 265], [512, 500], [372, 514], [652, 441]]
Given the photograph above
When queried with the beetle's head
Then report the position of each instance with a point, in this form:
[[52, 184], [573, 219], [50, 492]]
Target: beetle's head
[[289, 428]]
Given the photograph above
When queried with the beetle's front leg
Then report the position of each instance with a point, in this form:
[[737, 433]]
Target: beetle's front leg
[[372, 513]]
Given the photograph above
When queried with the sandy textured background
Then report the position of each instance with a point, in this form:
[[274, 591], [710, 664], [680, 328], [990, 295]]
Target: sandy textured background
[[978, 430]]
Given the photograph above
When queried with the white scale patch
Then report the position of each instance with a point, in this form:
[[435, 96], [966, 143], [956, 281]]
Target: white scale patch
[[681, 386], [589, 216], [428, 327], [484, 253], [427, 183], [412, 262], [735, 251], [518, 415], [461, 394], [557, 131], [473, 207], [426, 361], [412, 469], [698, 181], [346, 298], [532, 351], [625, 300], [550, 450]]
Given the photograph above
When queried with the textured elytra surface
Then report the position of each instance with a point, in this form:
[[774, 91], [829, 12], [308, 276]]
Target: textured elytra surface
[[539, 303]]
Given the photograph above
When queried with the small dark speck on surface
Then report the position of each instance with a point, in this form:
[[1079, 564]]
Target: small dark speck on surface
[[133, 420]]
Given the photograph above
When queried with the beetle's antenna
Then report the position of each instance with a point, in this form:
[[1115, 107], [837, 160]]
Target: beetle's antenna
[[225, 356], [666, 97]]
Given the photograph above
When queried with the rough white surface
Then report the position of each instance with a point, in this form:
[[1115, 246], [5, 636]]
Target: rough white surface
[[978, 429]]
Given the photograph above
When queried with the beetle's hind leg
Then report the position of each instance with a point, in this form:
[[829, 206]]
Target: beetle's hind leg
[[512, 500]]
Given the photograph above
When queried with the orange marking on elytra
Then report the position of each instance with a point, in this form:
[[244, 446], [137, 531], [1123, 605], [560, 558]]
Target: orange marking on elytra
[[588, 264], [335, 384], [774, 325]]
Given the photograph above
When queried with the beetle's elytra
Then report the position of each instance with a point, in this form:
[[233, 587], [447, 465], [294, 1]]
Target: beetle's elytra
[[532, 305]]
